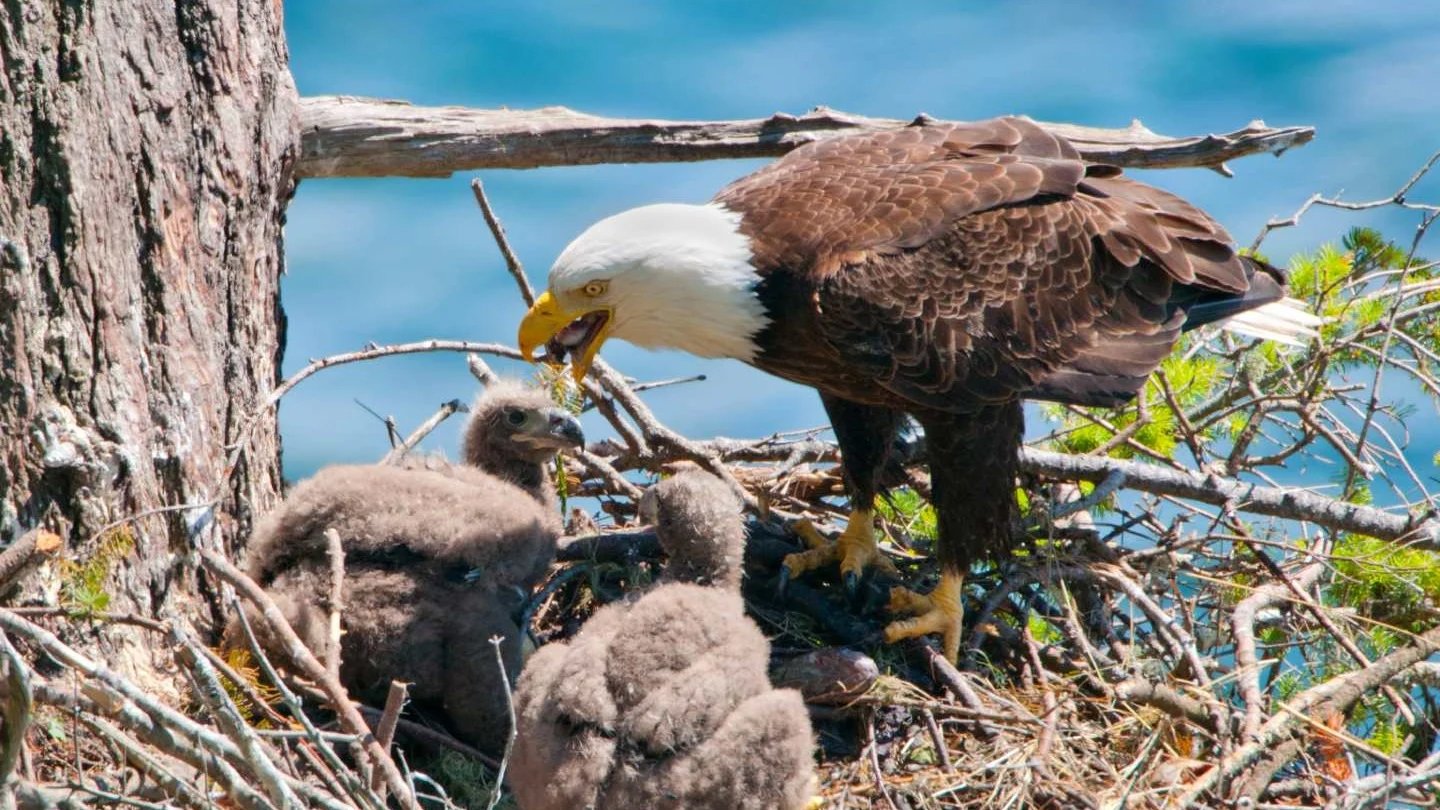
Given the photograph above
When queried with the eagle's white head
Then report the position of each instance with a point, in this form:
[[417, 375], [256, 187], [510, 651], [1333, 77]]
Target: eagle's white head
[[660, 276]]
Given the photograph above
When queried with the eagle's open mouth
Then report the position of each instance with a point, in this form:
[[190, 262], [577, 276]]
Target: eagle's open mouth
[[577, 335]]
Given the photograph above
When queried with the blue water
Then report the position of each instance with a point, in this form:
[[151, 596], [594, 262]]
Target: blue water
[[397, 260]]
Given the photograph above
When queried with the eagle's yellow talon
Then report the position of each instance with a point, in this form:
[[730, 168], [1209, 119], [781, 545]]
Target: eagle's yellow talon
[[803, 561], [855, 549], [809, 535], [940, 611]]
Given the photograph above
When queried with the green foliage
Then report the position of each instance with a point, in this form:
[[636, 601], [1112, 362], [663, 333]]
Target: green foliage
[[1388, 736], [1043, 631], [1388, 583], [568, 394], [1192, 379], [468, 782], [905, 508], [244, 665], [1352, 285], [83, 590]]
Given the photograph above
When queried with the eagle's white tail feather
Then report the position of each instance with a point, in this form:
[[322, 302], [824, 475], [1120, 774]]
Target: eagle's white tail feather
[[1286, 321]]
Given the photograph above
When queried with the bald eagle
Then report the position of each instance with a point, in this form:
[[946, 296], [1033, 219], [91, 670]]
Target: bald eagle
[[943, 271]]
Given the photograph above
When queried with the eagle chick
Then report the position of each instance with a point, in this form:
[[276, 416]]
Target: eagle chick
[[438, 559], [664, 701]]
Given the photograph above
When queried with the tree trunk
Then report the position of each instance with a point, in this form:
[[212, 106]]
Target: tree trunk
[[146, 153]]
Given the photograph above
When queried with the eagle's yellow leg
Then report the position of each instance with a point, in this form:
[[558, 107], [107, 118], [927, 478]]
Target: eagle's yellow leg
[[855, 549], [940, 611]]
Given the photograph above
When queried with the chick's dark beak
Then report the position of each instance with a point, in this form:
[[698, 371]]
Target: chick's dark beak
[[563, 430]]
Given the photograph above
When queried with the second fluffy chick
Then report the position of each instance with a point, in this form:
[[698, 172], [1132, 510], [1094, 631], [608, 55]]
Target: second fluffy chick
[[665, 702]]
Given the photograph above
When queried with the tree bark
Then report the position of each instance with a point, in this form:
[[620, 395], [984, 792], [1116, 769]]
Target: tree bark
[[146, 156]]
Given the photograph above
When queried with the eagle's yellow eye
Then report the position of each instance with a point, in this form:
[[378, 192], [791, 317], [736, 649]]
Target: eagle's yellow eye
[[594, 288]]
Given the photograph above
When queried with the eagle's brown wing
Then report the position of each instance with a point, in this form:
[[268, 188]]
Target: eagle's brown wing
[[974, 263]]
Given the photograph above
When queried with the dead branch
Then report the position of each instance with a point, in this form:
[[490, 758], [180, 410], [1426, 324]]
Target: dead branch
[[162, 726], [1167, 699], [510, 713], [1247, 662], [222, 709], [1276, 745], [385, 730], [1396, 199], [347, 136], [32, 548], [335, 551], [350, 718], [1292, 504], [445, 411], [19, 705], [512, 262]]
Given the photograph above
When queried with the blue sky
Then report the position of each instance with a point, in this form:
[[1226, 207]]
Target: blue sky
[[400, 259]]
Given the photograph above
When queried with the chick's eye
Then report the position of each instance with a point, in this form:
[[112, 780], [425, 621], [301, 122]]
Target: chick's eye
[[594, 288], [515, 417]]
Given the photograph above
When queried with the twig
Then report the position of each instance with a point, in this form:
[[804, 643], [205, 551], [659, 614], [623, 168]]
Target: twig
[[18, 708], [651, 386], [432, 737], [142, 760], [947, 674], [227, 717], [512, 262], [335, 552], [873, 751], [1292, 504], [314, 367], [495, 642], [29, 550], [146, 715], [346, 136], [938, 738], [295, 649], [358, 790], [445, 412], [1397, 199], [385, 730]]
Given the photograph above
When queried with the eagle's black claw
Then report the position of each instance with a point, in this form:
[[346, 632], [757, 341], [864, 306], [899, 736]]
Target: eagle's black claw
[[783, 581], [852, 583]]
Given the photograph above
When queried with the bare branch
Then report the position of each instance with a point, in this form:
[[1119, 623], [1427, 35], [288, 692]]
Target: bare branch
[[25, 553], [227, 717], [445, 411], [385, 730], [335, 550], [512, 262], [346, 136], [17, 709], [350, 718], [510, 713], [1260, 500]]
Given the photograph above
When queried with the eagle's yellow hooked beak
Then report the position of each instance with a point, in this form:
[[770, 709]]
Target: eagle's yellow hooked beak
[[583, 332]]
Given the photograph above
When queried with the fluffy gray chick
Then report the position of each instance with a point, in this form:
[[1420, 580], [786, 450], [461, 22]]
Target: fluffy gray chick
[[664, 702], [439, 558]]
